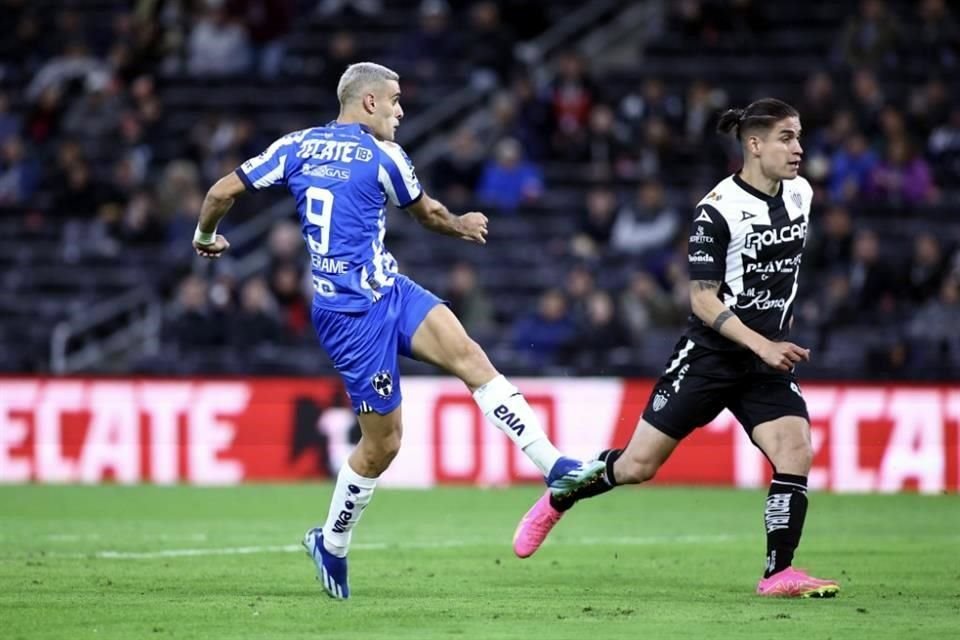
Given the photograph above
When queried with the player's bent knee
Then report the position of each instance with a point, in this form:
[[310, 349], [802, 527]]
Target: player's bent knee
[[793, 457]]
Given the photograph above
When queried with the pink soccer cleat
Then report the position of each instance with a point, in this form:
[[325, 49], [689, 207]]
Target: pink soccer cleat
[[534, 527], [795, 583]]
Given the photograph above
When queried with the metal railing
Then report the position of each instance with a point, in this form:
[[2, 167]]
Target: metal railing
[[143, 312], [86, 340]]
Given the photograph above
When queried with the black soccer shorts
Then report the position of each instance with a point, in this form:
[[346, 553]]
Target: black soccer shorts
[[698, 383]]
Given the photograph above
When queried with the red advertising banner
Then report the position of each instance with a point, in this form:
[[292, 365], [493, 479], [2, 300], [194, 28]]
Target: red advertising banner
[[884, 438]]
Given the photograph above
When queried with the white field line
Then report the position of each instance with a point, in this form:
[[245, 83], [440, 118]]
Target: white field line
[[379, 546]]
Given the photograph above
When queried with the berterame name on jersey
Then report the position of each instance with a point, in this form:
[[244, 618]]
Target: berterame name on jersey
[[752, 244], [341, 177]]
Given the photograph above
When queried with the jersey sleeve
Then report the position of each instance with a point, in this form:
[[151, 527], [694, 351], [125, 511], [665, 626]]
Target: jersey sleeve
[[397, 176], [270, 167], [707, 247]]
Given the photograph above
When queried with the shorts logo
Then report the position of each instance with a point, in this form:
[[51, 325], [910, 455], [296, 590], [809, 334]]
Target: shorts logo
[[659, 401], [795, 388], [382, 383]]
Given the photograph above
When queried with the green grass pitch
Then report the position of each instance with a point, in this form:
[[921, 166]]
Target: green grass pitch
[[152, 562]]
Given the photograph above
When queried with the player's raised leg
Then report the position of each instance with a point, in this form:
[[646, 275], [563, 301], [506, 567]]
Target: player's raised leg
[[786, 442], [648, 449], [442, 341], [356, 481]]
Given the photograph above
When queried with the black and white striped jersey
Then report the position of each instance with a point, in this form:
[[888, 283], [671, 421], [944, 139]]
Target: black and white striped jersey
[[752, 243]]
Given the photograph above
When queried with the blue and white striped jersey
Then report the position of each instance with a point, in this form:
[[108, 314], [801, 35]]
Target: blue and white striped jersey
[[341, 177]]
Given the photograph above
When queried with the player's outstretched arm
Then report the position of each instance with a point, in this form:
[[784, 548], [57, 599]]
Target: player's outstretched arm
[[706, 304], [218, 201], [433, 215]]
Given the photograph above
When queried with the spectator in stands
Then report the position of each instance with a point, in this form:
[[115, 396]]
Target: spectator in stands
[[268, 22], [871, 37], [468, 301], [219, 44], [819, 102], [647, 224], [873, 282], [579, 285], [191, 324], [19, 173], [573, 95], [256, 322], [181, 220], [936, 324], [645, 305], [532, 116], [605, 145], [542, 336], [341, 52], [868, 100], [178, 179], [652, 103], [286, 285], [702, 104], [926, 269], [596, 223], [81, 194], [140, 225], [929, 106], [427, 52], [601, 332], [456, 173], [94, 119], [944, 145], [851, 168], [9, 121], [902, 177], [938, 35], [44, 116], [831, 241], [831, 306], [509, 181], [488, 43], [133, 147]]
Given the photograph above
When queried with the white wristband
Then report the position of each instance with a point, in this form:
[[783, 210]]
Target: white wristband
[[204, 238]]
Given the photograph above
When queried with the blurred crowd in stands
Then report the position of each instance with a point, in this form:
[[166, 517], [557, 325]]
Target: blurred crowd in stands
[[593, 169]]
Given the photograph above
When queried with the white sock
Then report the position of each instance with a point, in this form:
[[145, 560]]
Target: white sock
[[504, 405], [350, 497]]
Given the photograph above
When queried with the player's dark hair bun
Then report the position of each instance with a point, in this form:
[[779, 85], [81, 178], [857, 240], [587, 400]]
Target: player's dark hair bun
[[761, 114], [729, 119]]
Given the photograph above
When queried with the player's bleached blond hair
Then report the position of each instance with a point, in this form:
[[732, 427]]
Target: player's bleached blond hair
[[358, 77]]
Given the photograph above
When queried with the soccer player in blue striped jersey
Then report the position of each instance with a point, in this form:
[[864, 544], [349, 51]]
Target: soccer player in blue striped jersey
[[365, 313]]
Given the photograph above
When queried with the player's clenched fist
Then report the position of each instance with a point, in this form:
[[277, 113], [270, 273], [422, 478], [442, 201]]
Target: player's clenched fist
[[473, 226], [212, 250]]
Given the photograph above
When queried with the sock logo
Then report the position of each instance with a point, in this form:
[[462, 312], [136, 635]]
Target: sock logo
[[343, 520], [510, 418], [777, 514]]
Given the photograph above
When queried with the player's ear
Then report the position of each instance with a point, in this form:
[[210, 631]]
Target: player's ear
[[370, 103], [753, 145]]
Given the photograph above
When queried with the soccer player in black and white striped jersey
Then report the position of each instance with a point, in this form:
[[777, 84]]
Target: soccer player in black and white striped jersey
[[745, 248]]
